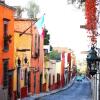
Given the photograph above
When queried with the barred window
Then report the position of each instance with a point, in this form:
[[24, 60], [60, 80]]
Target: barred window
[[36, 45], [5, 25], [35, 42]]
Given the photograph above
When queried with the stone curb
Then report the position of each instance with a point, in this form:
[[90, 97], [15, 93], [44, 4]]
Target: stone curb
[[56, 91]]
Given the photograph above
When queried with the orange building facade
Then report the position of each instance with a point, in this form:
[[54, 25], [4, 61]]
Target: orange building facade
[[6, 51], [37, 63]]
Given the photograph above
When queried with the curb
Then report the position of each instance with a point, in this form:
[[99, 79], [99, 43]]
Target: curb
[[58, 90]]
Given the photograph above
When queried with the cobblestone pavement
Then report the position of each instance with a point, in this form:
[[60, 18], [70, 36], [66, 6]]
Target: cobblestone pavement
[[78, 91], [34, 97]]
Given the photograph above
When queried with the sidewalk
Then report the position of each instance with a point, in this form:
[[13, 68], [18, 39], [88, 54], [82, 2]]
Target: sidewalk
[[37, 96], [95, 87]]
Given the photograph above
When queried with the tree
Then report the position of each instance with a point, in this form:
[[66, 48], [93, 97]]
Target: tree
[[51, 48], [46, 37], [73, 1], [55, 55], [19, 11], [32, 9], [79, 3]]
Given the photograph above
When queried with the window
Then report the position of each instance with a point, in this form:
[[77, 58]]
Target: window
[[58, 78], [37, 45], [6, 45], [49, 80], [25, 60], [37, 39], [35, 42], [53, 79], [5, 26], [5, 73], [18, 62]]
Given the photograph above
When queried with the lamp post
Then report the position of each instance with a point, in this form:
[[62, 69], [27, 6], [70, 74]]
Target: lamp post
[[98, 78], [92, 62]]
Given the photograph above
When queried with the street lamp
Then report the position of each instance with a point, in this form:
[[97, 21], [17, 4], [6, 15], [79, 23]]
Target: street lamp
[[92, 59]]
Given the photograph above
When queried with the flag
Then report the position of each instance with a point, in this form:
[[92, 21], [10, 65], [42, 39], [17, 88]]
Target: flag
[[40, 26]]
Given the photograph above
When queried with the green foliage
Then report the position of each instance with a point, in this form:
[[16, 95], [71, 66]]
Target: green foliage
[[54, 55], [51, 48], [32, 9], [46, 37], [77, 3]]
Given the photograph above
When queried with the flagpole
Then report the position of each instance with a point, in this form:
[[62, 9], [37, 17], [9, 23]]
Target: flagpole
[[29, 26]]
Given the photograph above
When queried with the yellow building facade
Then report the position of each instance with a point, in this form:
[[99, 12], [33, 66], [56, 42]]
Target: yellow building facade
[[22, 43]]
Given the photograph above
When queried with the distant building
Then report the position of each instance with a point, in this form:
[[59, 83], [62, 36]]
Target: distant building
[[69, 62], [57, 73], [52, 74]]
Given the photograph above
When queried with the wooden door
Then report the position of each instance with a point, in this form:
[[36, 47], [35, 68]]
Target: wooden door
[[10, 86]]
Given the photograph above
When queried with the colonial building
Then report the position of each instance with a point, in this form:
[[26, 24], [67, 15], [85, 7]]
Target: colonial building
[[52, 75], [6, 51], [29, 54], [68, 61], [22, 56]]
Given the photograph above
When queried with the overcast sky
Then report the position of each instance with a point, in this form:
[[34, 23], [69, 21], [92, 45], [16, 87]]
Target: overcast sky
[[63, 23]]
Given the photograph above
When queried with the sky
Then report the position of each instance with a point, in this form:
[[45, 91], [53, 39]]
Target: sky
[[63, 23]]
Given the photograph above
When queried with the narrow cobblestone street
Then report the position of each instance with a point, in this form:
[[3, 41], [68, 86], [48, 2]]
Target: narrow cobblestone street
[[49, 49], [79, 91]]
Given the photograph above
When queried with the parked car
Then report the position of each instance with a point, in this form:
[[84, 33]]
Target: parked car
[[79, 78], [83, 76]]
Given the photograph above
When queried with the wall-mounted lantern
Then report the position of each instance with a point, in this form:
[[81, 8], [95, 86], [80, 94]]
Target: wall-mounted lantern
[[92, 61]]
